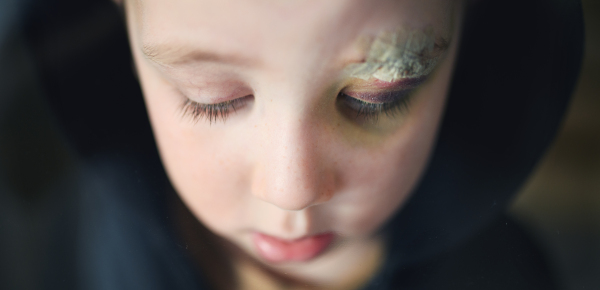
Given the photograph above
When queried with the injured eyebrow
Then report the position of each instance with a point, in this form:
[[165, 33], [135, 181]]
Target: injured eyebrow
[[400, 54]]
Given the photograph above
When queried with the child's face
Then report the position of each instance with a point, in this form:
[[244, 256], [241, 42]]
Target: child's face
[[298, 143]]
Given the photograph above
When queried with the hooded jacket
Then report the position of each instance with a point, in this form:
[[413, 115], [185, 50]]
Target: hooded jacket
[[516, 69]]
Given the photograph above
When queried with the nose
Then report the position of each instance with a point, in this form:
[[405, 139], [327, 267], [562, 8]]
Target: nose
[[293, 171]]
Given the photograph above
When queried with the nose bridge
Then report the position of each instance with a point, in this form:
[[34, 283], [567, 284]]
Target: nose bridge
[[293, 173]]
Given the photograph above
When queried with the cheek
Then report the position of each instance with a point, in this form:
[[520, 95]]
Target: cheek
[[389, 173], [204, 163], [379, 180], [211, 173], [212, 170]]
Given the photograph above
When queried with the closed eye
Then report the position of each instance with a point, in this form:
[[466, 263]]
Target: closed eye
[[392, 103], [213, 112]]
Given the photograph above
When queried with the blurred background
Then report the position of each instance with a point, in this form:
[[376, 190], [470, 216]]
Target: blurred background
[[560, 203], [561, 200]]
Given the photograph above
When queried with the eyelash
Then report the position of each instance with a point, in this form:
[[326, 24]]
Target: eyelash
[[370, 112], [211, 112], [365, 111]]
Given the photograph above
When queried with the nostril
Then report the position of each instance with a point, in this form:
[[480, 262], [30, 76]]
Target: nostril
[[294, 197], [289, 190]]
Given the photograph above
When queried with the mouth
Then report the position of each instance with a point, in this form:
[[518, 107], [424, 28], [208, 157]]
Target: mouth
[[276, 250]]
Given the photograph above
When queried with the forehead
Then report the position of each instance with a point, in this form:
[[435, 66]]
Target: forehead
[[277, 29]]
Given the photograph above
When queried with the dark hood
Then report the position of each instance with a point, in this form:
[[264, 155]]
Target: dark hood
[[517, 67]]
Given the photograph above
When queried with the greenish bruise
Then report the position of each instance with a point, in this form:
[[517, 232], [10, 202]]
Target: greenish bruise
[[399, 55]]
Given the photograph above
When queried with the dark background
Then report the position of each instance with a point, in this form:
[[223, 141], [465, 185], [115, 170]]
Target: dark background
[[561, 201], [560, 204]]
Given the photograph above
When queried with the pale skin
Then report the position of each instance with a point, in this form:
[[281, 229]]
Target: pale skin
[[291, 160]]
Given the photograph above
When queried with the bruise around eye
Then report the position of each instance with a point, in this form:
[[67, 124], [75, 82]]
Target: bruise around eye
[[400, 54], [380, 98], [371, 107], [368, 100]]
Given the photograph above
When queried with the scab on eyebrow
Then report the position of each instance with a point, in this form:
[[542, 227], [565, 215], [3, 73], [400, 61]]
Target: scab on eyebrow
[[400, 54]]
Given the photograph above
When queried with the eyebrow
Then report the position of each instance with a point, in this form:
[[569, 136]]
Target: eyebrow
[[175, 55], [172, 55]]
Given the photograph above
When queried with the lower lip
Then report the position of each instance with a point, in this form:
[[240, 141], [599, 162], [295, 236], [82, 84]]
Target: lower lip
[[277, 250]]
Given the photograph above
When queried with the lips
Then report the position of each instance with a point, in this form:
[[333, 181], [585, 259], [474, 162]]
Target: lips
[[277, 250]]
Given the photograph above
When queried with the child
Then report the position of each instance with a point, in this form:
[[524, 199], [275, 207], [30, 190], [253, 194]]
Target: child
[[295, 130], [334, 144]]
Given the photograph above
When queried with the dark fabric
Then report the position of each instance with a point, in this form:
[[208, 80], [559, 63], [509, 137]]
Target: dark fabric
[[516, 69], [499, 256], [125, 235]]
